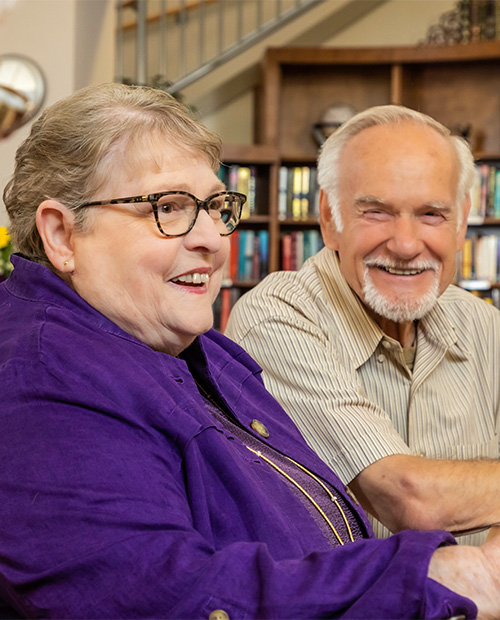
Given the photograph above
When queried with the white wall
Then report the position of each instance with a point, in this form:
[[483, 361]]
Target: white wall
[[71, 40], [399, 22]]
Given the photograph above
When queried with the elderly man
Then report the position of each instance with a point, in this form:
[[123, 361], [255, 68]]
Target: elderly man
[[389, 370]]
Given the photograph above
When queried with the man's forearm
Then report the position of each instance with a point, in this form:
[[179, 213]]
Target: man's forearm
[[405, 492]]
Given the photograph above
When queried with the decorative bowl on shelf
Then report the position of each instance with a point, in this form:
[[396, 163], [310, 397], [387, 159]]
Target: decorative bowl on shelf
[[332, 119]]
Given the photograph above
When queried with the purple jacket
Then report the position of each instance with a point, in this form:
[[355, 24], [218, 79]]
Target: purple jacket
[[123, 497]]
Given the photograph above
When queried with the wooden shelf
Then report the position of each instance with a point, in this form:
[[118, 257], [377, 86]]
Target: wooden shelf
[[256, 220], [457, 85], [299, 223], [488, 221], [250, 153]]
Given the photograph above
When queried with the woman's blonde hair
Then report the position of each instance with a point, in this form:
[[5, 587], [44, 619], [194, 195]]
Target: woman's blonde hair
[[74, 146]]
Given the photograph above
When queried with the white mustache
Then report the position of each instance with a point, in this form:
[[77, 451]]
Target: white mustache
[[416, 265]]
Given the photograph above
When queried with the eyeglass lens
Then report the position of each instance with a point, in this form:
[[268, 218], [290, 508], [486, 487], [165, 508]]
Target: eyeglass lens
[[176, 212]]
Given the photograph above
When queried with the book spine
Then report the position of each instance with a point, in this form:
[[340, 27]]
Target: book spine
[[282, 200], [243, 186], [263, 253], [304, 193], [286, 252], [297, 194]]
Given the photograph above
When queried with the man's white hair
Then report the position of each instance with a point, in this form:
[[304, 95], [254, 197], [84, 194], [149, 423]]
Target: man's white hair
[[329, 157]]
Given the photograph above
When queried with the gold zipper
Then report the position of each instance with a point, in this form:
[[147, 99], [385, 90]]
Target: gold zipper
[[309, 497]]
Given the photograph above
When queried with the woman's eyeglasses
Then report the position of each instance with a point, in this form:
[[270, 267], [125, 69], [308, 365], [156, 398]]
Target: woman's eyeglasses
[[176, 211]]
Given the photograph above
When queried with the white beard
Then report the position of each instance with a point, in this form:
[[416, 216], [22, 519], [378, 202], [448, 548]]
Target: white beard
[[401, 308]]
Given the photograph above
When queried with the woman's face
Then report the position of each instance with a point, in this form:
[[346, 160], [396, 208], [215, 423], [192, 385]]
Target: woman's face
[[125, 268]]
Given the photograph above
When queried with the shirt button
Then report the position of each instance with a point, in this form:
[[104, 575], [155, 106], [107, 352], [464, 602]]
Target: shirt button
[[258, 427], [381, 359], [387, 344], [422, 453], [218, 614]]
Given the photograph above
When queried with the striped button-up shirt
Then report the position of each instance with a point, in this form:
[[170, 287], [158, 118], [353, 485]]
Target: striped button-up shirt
[[347, 385]]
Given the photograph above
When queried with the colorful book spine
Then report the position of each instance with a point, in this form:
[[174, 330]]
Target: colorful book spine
[[283, 189], [263, 237], [496, 199]]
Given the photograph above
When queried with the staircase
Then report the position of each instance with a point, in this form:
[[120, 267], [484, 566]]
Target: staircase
[[173, 43]]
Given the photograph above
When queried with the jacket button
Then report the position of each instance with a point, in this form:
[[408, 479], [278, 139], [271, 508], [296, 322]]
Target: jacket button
[[218, 614], [258, 427]]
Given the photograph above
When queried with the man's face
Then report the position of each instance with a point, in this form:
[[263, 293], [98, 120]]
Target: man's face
[[400, 236]]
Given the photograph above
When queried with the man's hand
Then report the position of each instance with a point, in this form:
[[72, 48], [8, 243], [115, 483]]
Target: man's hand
[[473, 572]]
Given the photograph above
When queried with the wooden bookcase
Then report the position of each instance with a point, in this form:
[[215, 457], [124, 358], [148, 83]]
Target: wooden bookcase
[[458, 85]]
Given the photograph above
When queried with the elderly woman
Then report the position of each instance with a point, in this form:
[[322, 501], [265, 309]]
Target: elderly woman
[[145, 471]]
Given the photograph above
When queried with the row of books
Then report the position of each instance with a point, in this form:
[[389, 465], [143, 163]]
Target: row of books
[[241, 179], [479, 261], [297, 246], [248, 258], [485, 194], [298, 193]]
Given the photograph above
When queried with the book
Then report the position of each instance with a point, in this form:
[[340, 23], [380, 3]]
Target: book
[[283, 188], [223, 173], [483, 196], [299, 250], [263, 253], [465, 269], [232, 178], [243, 186], [304, 193], [242, 242], [234, 256], [286, 251], [313, 213], [248, 253], [490, 201], [496, 199], [297, 193], [252, 191], [476, 216]]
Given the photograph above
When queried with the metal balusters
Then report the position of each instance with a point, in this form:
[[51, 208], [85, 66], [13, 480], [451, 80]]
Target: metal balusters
[[163, 65], [141, 44], [197, 23]]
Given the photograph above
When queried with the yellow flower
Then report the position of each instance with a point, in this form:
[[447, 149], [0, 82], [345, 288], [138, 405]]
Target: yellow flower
[[4, 237]]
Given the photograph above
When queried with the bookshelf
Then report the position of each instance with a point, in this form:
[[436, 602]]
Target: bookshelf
[[250, 259], [459, 85]]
